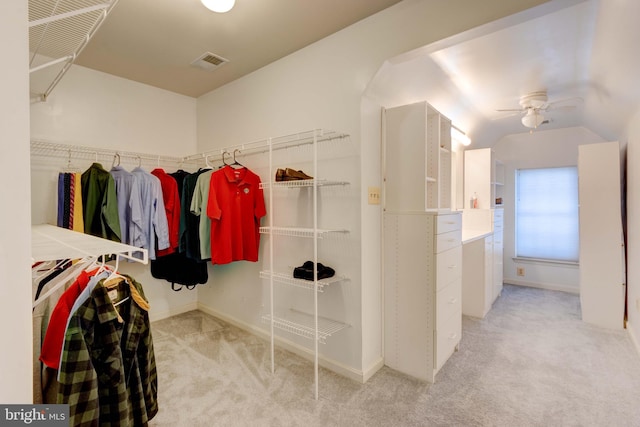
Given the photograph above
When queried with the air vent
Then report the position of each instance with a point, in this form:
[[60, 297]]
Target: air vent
[[209, 61]]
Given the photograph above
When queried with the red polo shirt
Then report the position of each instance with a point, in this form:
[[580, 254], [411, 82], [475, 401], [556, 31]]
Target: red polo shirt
[[235, 206]]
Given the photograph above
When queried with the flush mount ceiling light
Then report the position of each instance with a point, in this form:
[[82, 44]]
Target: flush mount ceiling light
[[219, 6], [533, 118]]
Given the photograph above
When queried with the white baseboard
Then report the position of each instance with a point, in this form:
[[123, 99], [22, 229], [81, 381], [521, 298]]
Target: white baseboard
[[153, 316], [372, 369], [297, 349], [548, 286], [634, 338]]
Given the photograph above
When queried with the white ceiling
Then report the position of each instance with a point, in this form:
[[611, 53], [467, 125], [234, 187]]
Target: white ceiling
[[570, 48], [583, 51], [155, 41]]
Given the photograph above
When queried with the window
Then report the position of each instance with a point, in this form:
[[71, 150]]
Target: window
[[547, 214]]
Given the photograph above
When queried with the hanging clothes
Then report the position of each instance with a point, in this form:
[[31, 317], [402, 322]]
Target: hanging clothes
[[129, 207], [70, 201], [199, 208], [235, 207], [171, 199], [177, 268], [108, 372], [41, 320], [100, 205], [154, 218], [54, 337], [189, 241]]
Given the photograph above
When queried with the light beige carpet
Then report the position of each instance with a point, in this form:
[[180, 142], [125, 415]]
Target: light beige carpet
[[530, 362]]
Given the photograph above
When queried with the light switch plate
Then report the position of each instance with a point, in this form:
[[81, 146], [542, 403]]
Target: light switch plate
[[374, 195]]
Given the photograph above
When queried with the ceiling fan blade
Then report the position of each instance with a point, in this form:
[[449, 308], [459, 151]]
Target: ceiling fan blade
[[507, 113], [561, 108], [509, 110], [556, 104]]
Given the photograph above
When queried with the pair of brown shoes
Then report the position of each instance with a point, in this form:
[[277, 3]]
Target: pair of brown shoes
[[289, 174]]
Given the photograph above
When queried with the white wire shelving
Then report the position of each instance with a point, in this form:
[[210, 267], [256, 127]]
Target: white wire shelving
[[48, 149], [303, 324], [310, 326], [49, 243], [302, 183], [58, 31], [300, 232], [288, 279]]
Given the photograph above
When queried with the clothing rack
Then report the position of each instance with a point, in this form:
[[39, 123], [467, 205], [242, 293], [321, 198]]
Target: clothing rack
[[58, 33], [41, 147], [49, 243], [262, 146], [54, 149]]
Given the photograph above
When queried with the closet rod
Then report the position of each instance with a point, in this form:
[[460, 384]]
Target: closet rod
[[49, 242], [277, 143], [46, 148]]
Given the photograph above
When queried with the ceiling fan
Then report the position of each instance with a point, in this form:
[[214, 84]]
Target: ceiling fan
[[534, 104]]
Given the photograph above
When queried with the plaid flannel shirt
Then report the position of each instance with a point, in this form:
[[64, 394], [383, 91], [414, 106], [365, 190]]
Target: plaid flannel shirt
[[108, 372]]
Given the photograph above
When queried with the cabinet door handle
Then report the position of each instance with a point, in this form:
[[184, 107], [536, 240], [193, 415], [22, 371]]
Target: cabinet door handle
[[453, 300], [452, 266], [451, 240], [451, 222], [453, 336]]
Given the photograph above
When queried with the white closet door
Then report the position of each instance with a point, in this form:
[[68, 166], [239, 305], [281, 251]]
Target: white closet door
[[602, 279]]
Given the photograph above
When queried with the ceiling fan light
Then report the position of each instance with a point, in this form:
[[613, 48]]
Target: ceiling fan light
[[219, 6], [532, 119]]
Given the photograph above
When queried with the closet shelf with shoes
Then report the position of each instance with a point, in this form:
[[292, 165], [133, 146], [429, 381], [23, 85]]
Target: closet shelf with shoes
[[302, 183], [288, 279], [311, 326]]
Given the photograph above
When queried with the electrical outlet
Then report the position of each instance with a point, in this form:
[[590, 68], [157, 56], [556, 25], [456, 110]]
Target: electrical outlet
[[374, 195], [520, 271]]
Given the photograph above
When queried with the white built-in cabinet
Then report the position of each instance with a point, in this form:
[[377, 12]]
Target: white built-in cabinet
[[484, 177], [417, 160], [602, 253], [421, 242], [292, 320], [483, 273], [497, 248], [422, 291]]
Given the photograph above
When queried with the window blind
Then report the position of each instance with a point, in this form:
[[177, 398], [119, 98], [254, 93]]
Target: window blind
[[547, 224]]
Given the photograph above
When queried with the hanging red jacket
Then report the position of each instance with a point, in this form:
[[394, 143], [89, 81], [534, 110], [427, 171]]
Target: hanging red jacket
[[171, 199]]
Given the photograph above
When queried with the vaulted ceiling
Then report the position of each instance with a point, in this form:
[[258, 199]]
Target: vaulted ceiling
[[581, 51]]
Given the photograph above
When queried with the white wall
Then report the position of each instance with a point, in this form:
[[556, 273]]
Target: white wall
[[540, 149], [95, 109], [633, 228], [322, 86], [15, 231]]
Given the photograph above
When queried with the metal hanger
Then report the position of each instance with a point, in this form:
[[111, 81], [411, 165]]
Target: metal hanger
[[235, 162], [116, 157], [223, 158]]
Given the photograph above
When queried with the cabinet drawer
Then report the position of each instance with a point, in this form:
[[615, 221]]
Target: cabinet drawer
[[498, 220], [448, 266], [447, 338], [446, 223], [448, 302], [446, 241]]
